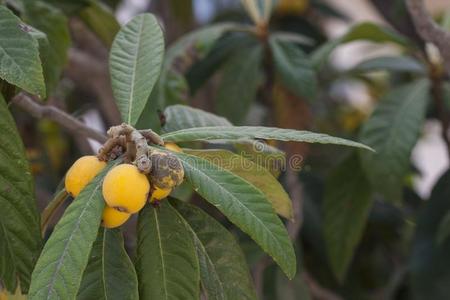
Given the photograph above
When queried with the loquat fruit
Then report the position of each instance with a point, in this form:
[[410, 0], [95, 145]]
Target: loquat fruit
[[292, 6], [81, 173], [167, 170], [173, 147], [125, 188], [159, 194], [113, 218]]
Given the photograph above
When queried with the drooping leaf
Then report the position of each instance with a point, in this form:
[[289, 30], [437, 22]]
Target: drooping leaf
[[182, 116], [60, 267], [393, 130], [20, 239], [294, 68], [241, 77], [166, 263], [99, 18], [429, 263], [364, 31], [51, 208], [444, 229], [269, 157], [346, 207], [20, 64], [135, 62], [223, 269], [391, 63], [254, 173], [54, 47], [244, 205], [110, 273], [250, 132]]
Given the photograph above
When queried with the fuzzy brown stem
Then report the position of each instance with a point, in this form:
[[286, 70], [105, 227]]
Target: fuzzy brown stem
[[29, 104], [141, 161], [113, 148], [152, 137]]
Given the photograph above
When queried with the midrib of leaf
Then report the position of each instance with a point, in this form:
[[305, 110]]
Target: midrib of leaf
[[58, 267], [161, 254], [237, 200], [133, 76], [200, 244]]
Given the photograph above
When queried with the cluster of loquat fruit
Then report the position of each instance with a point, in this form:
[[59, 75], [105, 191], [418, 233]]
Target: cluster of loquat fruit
[[125, 188]]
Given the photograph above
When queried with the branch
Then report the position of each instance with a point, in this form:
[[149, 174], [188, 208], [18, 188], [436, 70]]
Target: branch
[[429, 31], [73, 125]]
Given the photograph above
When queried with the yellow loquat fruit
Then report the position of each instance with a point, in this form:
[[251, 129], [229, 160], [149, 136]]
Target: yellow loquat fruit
[[125, 188], [173, 147], [81, 173], [113, 218], [159, 194]]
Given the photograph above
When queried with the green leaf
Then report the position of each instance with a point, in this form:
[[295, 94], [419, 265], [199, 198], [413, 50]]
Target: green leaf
[[391, 63], [364, 31], [346, 208], [294, 68], [20, 239], [244, 205], [101, 20], [110, 273], [52, 207], [60, 267], [135, 63], [429, 265], [444, 229], [256, 174], [182, 116], [166, 263], [251, 132], [241, 77], [53, 48], [223, 269], [20, 64], [393, 130]]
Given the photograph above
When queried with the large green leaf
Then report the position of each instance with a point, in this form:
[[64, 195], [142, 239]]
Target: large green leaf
[[166, 263], [244, 205], [53, 48], [364, 31], [60, 267], [391, 63], [254, 173], [20, 239], [20, 64], [241, 77], [393, 130], [101, 20], [135, 63], [223, 269], [347, 204], [429, 264], [110, 273], [182, 116], [294, 68], [250, 132]]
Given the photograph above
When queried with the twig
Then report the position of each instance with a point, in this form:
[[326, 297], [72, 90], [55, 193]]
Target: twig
[[317, 290], [429, 30], [29, 104]]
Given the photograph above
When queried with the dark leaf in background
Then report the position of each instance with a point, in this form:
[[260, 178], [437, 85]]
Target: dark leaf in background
[[346, 208], [429, 261], [241, 77], [393, 130], [391, 63]]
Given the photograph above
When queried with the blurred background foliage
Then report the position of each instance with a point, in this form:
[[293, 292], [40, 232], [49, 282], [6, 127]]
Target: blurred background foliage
[[367, 226]]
